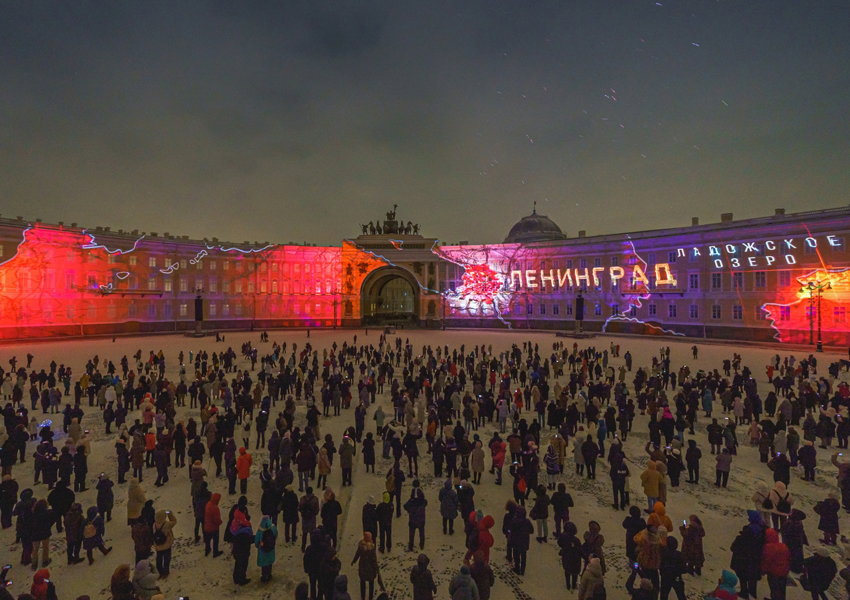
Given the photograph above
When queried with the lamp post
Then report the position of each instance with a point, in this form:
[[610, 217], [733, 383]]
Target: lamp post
[[813, 287]]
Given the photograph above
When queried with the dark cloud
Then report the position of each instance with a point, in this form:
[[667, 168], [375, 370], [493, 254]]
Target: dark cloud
[[294, 120]]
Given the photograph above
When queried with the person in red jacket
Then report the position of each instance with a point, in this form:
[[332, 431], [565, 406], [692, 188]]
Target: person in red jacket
[[243, 469], [41, 588], [775, 563], [485, 538], [212, 526]]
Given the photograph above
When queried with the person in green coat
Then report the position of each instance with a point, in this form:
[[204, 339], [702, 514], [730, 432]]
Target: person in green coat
[[265, 540]]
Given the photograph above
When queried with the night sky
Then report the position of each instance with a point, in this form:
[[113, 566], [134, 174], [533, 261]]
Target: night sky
[[296, 120]]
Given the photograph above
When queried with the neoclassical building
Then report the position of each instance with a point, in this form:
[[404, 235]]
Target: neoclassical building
[[783, 277]]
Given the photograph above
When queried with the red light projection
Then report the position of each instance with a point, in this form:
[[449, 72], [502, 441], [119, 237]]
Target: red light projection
[[796, 321], [66, 282], [480, 281]]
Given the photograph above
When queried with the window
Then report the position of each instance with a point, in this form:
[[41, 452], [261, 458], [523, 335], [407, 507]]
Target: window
[[199, 265], [237, 287], [225, 287], [761, 314], [111, 259], [529, 309], [184, 284], [716, 281], [167, 307], [737, 312], [275, 286], [225, 308], [184, 309], [92, 281], [694, 311], [582, 263], [70, 280], [784, 313], [839, 314], [569, 309], [183, 263], [653, 310], [133, 260], [517, 309], [633, 311], [761, 279], [152, 282], [836, 243], [152, 311], [152, 261], [212, 265], [212, 309], [650, 259], [69, 311], [671, 256], [238, 308], [250, 287], [671, 311], [810, 248], [597, 262], [716, 312], [542, 309], [615, 309], [615, 261], [737, 281], [570, 263], [131, 310], [556, 309], [225, 265], [784, 278], [693, 281], [213, 287], [167, 283], [597, 310]]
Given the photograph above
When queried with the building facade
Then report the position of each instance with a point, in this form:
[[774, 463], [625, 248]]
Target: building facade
[[783, 277]]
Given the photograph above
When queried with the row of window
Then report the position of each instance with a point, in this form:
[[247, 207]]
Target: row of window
[[839, 313]]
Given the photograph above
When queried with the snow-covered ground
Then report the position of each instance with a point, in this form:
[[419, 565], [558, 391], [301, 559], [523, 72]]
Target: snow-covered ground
[[721, 510]]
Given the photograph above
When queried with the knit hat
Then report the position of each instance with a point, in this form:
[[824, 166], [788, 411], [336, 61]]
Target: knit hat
[[370, 500]]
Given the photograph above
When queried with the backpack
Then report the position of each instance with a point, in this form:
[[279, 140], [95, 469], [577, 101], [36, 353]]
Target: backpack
[[268, 541], [159, 536], [89, 531], [767, 503], [391, 483], [783, 505], [521, 485], [472, 541]]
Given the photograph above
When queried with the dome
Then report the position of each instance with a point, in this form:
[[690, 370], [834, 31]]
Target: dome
[[534, 228]]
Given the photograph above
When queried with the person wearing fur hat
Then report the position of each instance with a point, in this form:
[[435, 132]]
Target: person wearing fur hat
[[592, 584]]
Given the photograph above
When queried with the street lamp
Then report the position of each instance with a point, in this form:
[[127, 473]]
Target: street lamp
[[813, 287]]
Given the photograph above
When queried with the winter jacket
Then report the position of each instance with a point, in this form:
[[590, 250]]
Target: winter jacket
[[164, 522], [448, 501], [243, 464], [212, 514], [265, 558], [775, 558], [651, 480], [135, 500], [422, 580], [463, 587]]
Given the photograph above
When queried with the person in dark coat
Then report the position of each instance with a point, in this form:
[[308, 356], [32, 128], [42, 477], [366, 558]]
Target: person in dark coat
[[60, 500], [828, 511], [415, 508], [448, 507], [633, 524], [105, 497], [424, 587], [81, 469], [41, 525], [820, 570], [369, 518], [384, 513], [746, 554], [8, 498], [794, 536], [23, 525], [289, 514], [243, 542], [75, 524], [571, 554], [331, 510], [672, 568], [313, 556], [520, 539], [482, 575]]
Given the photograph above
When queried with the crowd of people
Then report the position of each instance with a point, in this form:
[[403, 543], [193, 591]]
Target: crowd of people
[[520, 414]]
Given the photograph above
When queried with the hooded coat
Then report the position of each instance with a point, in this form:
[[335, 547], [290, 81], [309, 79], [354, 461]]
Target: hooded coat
[[747, 547], [135, 500], [463, 587], [212, 514], [592, 581], [144, 580], [659, 517], [651, 480], [264, 558], [775, 558], [424, 587], [341, 588]]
